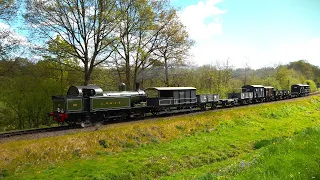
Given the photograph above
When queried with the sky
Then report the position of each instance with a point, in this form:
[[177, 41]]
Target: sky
[[257, 33], [254, 33]]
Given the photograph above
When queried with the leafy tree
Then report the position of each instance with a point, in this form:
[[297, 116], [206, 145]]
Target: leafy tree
[[140, 36], [312, 84], [174, 42], [86, 25], [303, 67], [26, 95], [62, 62]]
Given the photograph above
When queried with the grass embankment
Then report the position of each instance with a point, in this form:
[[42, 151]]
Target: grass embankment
[[278, 140]]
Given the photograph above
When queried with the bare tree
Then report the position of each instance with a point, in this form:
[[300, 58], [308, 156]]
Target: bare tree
[[86, 25]]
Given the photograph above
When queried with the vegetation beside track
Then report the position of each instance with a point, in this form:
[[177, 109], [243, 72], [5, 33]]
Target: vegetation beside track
[[242, 142]]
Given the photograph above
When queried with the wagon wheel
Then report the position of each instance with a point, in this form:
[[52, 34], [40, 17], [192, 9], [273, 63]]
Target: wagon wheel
[[203, 107], [142, 114], [213, 106], [154, 112]]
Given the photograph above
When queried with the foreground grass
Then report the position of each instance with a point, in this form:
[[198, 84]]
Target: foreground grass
[[231, 143], [294, 157]]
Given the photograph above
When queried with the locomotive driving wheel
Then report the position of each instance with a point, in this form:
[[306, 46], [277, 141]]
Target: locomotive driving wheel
[[71, 123]]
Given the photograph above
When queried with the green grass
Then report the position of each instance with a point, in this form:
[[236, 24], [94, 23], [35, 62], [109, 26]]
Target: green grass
[[269, 141], [294, 157]]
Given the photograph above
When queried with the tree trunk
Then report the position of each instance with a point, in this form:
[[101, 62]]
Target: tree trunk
[[87, 77], [166, 72], [128, 72]]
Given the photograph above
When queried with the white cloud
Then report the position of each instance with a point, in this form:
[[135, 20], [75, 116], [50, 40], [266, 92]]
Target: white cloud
[[202, 20], [307, 49], [210, 52], [9, 36], [4, 26], [204, 25]]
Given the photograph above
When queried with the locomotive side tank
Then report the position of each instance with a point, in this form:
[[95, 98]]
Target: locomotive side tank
[[90, 103]]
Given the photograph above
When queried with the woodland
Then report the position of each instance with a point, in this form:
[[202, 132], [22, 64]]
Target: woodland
[[105, 43]]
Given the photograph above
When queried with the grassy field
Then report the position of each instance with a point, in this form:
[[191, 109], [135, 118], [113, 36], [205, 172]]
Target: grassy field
[[268, 141]]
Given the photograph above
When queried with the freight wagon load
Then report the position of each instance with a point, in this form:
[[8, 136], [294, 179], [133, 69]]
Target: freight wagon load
[[241, 97], [207, 100]]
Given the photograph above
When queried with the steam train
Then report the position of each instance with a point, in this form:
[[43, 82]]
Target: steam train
[[90, 104]]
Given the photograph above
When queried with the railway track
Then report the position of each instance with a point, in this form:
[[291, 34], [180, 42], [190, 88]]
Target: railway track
[[62, 128], [34, 131]]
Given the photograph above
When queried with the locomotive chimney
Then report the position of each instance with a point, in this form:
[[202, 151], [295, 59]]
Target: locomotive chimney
[[137, 86], [122, 87]]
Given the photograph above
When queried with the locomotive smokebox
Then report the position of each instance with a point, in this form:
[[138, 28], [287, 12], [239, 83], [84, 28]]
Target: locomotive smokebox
[[122, 87]]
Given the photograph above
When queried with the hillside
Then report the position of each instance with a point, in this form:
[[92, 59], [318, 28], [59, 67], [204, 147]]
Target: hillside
[[266, 141]]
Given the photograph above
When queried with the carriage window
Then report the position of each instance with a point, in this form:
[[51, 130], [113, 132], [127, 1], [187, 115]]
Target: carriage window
[[166, 93]]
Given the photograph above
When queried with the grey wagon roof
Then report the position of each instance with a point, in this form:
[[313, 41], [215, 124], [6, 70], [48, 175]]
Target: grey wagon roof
[[300, 85], [268, 87], [256, 86], [171, 88]]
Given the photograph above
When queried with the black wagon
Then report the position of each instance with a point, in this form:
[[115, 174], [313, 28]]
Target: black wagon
[[241, 97], [269, 93], [307, 89], [257, 90], [299, 90], [170, 98], [207, 100]]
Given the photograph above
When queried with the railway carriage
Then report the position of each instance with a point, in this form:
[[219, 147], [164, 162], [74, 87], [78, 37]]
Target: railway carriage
[[207, 100], [269, 93], [307, 89], [171, 98], [286, 94], [299, 90], [241, 97], [257, 90]]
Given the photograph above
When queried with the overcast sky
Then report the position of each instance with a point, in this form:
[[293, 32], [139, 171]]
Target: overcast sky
[[258, 32]]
